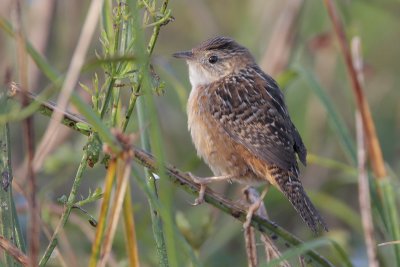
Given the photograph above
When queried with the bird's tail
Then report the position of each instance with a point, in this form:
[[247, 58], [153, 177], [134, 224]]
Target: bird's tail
[[292, 188]]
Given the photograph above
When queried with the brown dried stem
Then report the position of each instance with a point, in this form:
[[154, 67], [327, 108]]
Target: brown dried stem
[[251, 249], [251, 196], [71, 79], [14, 251], [96, 247], [123, 173], [238, 212], [130, 229], [374, 149], [33, 228], [271, 251]]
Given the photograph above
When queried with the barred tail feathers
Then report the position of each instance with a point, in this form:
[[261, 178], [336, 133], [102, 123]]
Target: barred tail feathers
[[291, 187]]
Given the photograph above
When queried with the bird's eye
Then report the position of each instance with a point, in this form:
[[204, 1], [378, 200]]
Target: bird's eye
[[213, 59]]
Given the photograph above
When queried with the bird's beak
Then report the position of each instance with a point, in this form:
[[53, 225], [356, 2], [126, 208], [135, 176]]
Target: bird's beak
[[183, 54]]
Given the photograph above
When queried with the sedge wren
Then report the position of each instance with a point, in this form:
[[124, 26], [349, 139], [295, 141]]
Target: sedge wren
[[240, 125]]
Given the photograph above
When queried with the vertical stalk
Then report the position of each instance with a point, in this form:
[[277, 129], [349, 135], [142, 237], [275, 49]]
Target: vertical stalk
[[67, 211], [9, 224], [143, 60], [374, 148], [129, 223], [103, 213], [151, 183], [28, 135]]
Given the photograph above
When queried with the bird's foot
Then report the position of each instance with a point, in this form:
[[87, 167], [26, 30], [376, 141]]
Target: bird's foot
[[250, 212], [256, 201], [200, 199], [204, 181]]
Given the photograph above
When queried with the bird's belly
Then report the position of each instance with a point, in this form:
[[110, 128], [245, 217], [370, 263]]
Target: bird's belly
[[217, 149]]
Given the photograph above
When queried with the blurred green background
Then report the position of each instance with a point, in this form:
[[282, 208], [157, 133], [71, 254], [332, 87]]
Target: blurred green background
[[330, 177]]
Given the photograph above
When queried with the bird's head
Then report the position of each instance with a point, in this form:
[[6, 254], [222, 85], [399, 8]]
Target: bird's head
[[215, 59]]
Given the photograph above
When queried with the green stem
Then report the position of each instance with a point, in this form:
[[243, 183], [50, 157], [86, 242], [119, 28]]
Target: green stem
[[183, 181], [158, 231], [280, 235], [67, 210], [156, 29], [9, 224], [131, 107], [107, 98], [391, 212], [153, 200], [43, 65], [157, 224]]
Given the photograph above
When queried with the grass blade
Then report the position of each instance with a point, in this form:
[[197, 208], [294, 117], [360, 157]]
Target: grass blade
[[9, 224], [339, 126]]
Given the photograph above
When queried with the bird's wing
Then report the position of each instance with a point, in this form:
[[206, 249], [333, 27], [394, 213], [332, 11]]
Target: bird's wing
[[251, 109]]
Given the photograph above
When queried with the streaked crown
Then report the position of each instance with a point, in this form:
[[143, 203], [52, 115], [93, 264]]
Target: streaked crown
[[214, 59]]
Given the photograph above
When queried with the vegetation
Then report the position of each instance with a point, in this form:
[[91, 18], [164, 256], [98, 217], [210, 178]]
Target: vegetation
[[111, 188]]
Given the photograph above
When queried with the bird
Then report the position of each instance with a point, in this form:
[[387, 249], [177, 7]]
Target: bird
[[240, 125]]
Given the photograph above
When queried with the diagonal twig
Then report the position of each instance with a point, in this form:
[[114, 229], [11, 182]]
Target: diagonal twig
[[14, 251], [70, 80], [183, 180]]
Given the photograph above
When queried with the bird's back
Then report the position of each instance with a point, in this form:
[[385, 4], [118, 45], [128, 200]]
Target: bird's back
[[240, 124]]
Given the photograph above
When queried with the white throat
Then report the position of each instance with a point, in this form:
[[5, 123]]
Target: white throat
[[198, 76]]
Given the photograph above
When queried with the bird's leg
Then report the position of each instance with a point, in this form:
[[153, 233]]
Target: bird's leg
[[203, 181], [254, 207]]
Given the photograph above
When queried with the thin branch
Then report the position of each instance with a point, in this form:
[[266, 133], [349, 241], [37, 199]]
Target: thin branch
[[183, 180], [363, 184], [28, 134], [123, 174], [251, 249], [9, 224], [96, 247], [374, 149], [130, 230], [14, 251], [67, 210], [389, 243], [271, 251], [249, 232], [156, 29], [71, 79]]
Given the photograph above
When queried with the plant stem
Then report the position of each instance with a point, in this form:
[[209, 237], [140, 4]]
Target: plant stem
[[158, 231], [122, 178], [129, 223], [375, 152], [103, 213], [9, 224], [238, 212], [156, 29], [183, 181], [67, 210]]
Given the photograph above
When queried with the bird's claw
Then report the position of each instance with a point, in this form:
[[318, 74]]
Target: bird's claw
[[194, 178], [250, 212], [200, 199]]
